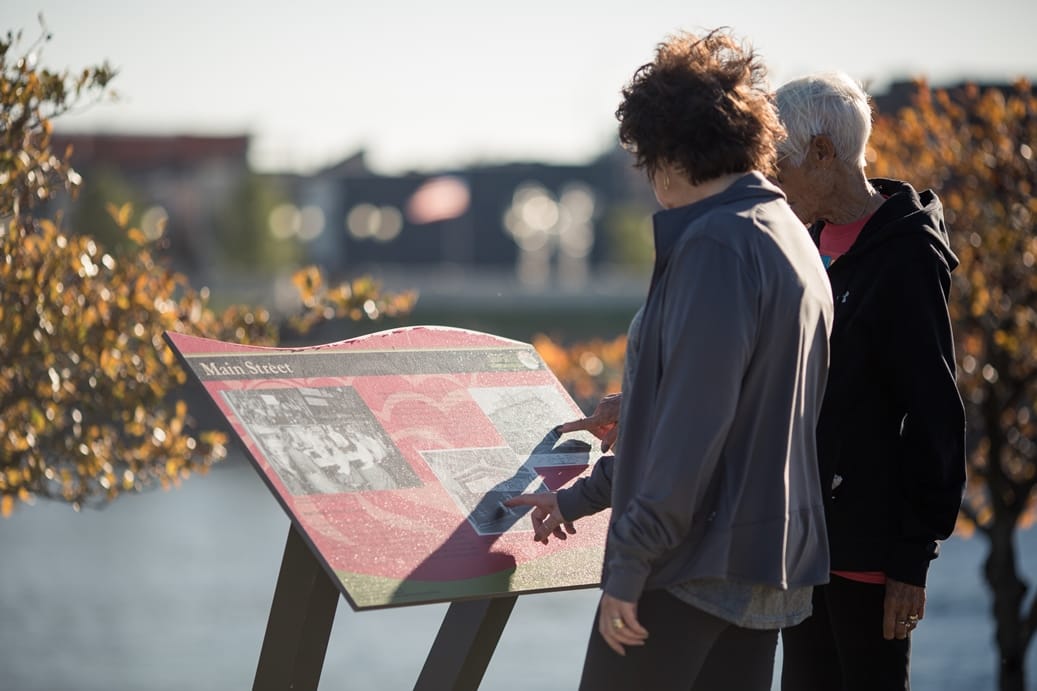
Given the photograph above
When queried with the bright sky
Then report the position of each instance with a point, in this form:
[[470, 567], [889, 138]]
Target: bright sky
[[427, 84]]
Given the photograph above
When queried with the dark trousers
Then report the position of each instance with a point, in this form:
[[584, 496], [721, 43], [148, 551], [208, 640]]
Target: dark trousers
[[687, 650], [840, 646]]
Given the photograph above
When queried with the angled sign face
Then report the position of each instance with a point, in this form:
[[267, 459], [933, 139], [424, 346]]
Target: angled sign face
[[393, 453]]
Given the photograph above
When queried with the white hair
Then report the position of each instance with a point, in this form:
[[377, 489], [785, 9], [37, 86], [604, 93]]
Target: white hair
[[829, 103]]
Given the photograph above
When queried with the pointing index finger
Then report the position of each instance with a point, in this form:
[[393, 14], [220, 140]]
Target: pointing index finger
[[584, 423], [523, 500]]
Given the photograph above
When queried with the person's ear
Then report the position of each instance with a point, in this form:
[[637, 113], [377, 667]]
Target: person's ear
[[822, 149]]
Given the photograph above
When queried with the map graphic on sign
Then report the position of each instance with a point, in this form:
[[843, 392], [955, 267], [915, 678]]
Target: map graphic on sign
[[393, 454]]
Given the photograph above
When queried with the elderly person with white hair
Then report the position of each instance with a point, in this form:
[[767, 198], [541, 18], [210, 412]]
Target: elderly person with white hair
[[891, 431]]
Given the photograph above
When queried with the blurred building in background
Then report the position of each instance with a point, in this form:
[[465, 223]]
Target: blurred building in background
[[510, 233], [532, 226], [503, 238], [500, 238], [533, 231], [178, 184]]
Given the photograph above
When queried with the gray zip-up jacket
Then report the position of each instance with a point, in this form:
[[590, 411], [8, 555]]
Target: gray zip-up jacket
[[716, 472]]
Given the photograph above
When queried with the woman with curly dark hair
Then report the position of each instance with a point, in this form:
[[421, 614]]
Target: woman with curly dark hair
[[717, 532]]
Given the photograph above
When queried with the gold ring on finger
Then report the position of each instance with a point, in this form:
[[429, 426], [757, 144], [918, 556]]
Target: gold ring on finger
[[617, 623]]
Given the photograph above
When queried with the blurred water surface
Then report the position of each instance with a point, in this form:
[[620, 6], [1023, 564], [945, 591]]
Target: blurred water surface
[[171, 591]]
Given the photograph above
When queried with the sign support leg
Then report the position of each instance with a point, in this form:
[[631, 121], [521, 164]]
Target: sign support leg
[[464, 645], [299, 626]]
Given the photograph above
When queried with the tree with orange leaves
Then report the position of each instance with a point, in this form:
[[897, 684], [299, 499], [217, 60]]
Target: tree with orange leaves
[[974, 147], [89, 392], [587, 369]]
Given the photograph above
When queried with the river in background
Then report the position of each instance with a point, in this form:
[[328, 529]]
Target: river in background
[[171, 591]]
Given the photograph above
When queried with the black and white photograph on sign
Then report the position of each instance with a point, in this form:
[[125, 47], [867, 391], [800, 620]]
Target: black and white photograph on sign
[[333, 445], [269, 407], [480, 480], [525, 416], [298, 459], [331, 404]]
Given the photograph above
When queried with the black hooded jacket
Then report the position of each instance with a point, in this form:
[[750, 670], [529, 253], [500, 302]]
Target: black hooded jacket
[[891, 434]]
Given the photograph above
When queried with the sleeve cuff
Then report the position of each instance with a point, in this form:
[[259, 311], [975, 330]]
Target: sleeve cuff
[[625, 581], [908, 562], [573, 503], [589, 494]]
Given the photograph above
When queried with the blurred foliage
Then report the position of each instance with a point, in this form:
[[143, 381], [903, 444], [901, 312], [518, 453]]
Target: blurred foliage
[[588, 369], [91, 207], [975, 148], [30, 97], [88, 388], [359, 300], [629, 230], [245, 240]]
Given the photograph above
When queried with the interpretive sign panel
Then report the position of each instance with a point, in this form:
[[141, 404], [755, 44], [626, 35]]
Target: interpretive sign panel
[[393, 453]]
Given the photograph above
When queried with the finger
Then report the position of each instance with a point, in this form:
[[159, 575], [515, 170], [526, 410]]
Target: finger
[[626, 636], [917, 614], [538, 531], [623, 616], [633, 626], [913, 616], [585, 423], [552, 523], [919, 607], [536, 517], [630, 631], [901, 624], [610, 641], [898, 628], [888, 621], [527, 500], [608, 409], [618, 635], [546, 524], [609, 440], [608, 633], [557, 527], [594, 424]]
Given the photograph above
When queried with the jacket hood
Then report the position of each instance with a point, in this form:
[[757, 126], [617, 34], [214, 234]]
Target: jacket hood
[[905, 213]]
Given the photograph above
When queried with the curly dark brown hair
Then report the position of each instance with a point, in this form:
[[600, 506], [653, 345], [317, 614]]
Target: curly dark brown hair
[[703, 106]]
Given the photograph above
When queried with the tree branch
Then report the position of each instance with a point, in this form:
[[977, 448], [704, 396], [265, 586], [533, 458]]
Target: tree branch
[[1030, 623]]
